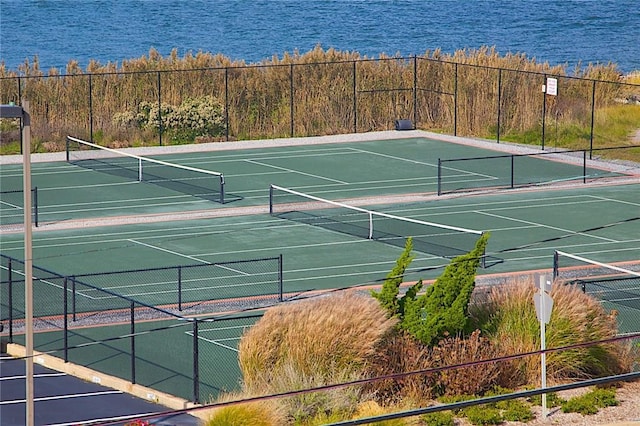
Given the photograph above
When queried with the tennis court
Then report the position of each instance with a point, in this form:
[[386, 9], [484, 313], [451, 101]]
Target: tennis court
[[377, 168], [526, 227]]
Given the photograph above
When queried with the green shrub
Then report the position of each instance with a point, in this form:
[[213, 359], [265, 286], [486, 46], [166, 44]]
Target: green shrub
[[553, 400], [515, 410], [483, 415], [590, 403], [439, 418], [443, 310]]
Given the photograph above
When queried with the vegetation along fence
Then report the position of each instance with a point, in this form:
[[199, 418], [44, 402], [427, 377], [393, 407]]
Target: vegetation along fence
[[144, 337], [207, 98]]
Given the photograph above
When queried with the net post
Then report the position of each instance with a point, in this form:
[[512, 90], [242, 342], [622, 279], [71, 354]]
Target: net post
[[556, 271], [65, 319], [370, 225], [584, 166], [196, 372], [133, 342], [67, 140], [271, 199], [280, 277], [439, 180], [222, 189], [512, 171], [139, 169]]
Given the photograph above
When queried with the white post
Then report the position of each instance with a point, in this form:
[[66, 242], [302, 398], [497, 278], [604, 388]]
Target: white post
[[28, 262], [543, 345]]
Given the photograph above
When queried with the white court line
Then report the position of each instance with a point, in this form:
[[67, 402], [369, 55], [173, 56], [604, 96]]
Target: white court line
[[58, 397], [295, 171], [186, 256], [166, 250], [35, 375], [393, 157], [13, 206], [614, 201], [546, 226]]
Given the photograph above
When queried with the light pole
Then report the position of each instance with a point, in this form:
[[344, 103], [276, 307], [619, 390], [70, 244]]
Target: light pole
[[22, 112]]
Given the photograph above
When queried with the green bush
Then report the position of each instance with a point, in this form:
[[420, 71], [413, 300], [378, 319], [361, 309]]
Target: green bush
[[439, 418], [443, 310], [514, 410], [553, 400], [590, 403], [193, 118], [483, 415]]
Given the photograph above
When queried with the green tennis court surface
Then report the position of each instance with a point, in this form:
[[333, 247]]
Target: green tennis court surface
[[526, 227], [336, 171]]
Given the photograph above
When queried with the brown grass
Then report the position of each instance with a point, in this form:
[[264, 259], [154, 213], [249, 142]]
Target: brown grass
[[508, 317], [259, 99]]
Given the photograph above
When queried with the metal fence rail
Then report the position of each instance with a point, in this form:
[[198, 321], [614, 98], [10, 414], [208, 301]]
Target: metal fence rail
[[287, 100], [119, 335]]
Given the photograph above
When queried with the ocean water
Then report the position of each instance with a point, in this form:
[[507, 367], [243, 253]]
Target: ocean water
[[555, 31]]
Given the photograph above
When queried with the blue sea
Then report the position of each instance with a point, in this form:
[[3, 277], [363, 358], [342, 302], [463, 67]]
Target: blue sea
[[556, 31]]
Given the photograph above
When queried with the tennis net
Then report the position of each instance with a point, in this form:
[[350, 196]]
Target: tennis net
[[615, 286], [12, 207], [200, 183], [520, 170], [437, 239]]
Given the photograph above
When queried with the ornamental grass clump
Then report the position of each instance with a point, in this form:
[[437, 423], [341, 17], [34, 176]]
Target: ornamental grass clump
[[507, 316], [322, 341]]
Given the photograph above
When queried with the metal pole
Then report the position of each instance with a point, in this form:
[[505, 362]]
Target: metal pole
[[159, 110], [355, 101], [226, 103], [196, 370], [291, 104], [28, 261], [90, 109], [593, 111], [133, 342], [499, 107], [544, 109], [455, 100]]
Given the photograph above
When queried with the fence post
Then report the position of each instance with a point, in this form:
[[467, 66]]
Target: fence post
[[179, 288], [499, 106], [90, 108], [133, 343], [544, 109], [593, 112], [73, 298], [415, 91], [455, 100], [271, 199], [355, 102], [556, 259], [10, 296], [34, 201], [291, 99], [226, 102], [159, 111], [584, 166], [196, 370], [280, 279], [20, 97], [66, 320]]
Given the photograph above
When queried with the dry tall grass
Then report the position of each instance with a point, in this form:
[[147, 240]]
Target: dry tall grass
[[313, 343], [508, 317], [315, 93]]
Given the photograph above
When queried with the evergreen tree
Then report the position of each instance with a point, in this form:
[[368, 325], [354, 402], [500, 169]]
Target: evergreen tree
[[443, 309], [388, 296]]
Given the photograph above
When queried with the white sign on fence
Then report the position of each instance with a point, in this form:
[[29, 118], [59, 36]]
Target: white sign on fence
[[551, 87]]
